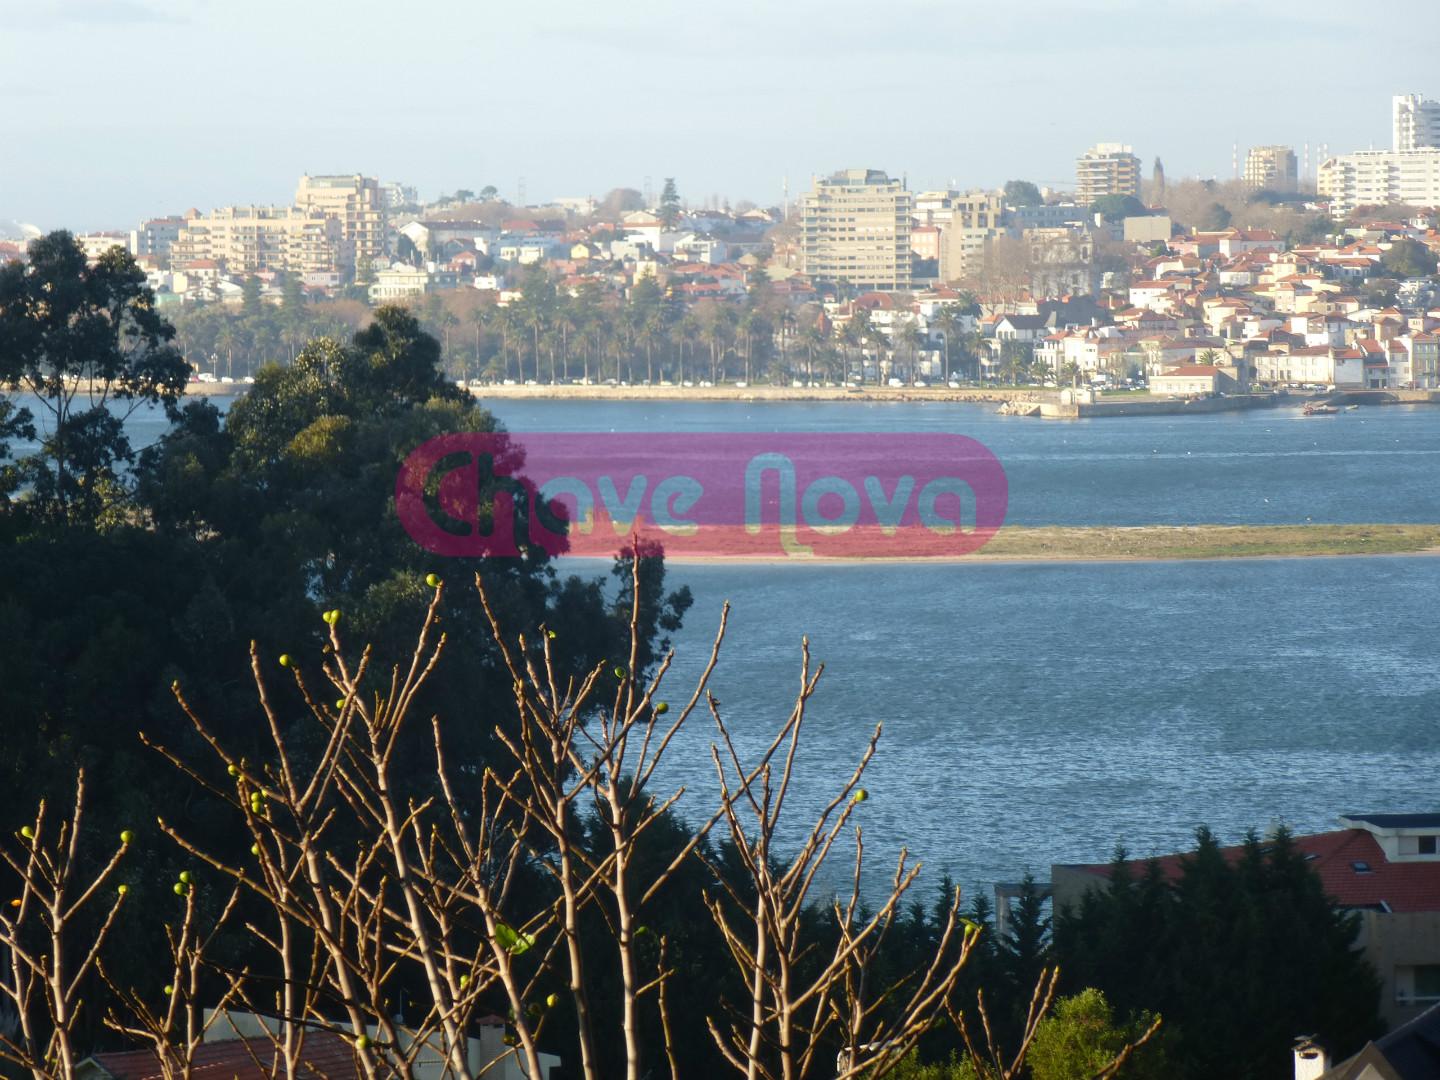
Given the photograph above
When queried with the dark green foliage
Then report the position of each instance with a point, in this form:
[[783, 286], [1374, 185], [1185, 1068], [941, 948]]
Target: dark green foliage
[[1022, 193], [86, 341], [1117, 207], [1238, 957], [1408, 258]]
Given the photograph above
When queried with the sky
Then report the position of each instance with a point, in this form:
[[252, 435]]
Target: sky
[[116, 110]]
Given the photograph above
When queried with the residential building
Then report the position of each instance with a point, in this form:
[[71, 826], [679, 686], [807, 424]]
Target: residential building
[[1106, 169], [246, 240], [855, 227], [156, 237], [1061, 261], [358, 204], [1415, 122], [399, 282], [1271, 168], [96, 244], [1384, 867], [1381, 178], [1187, 380], [975, 220]]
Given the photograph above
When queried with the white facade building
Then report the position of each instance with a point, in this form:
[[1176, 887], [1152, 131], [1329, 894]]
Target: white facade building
[[1415, 122], [1381, 178]]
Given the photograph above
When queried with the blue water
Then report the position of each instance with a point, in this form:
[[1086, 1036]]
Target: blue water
[[1270, 466], [1043, 713]]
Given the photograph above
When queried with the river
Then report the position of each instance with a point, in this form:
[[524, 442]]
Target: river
[[1046, 712]]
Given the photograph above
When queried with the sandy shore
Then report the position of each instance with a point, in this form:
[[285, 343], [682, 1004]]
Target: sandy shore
[[1155, 543]]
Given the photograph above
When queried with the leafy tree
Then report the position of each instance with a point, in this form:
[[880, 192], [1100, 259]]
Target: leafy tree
[[669, 211], [1022, 193], [1215, 218], [1080, 1038], [1407, 258], [1117, 207], [488, 192], [88, 342]]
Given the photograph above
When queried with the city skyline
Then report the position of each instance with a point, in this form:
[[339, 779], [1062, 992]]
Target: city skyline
[[594, 101]]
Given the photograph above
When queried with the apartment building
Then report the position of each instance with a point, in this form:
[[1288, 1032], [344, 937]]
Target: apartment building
[[358, 204], [1106, 169], [975, 222], [1381, 178], [855, 230], [245, 240], [156, 237], [1271, 168], [1415, 122]]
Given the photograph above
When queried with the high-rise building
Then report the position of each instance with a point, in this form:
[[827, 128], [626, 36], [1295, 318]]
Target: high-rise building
[[1271, 168], [248, 239], [855, 230], [1106, 169], [1157, 183], [1414, 121], [357, 203], [1381, 178]]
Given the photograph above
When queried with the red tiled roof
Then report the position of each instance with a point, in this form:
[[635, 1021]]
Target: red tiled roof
[[325, 1056], [1401, 886]]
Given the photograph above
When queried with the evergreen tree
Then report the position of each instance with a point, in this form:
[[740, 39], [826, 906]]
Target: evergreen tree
[[669, 210]]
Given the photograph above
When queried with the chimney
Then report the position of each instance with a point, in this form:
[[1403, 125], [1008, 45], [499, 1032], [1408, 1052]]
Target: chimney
[[1311, 1061]]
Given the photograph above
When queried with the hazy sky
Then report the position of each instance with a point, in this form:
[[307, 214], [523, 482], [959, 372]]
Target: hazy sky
[[114, 110]]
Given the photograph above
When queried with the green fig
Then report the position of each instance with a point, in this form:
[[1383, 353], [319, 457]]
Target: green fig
[[464, 980], [186, 877], [126, 836], [860, 795], [661, 708], [285, 659], [552, 1000], [123, 889], [363, 1042], [233, 770], [169, 989], [550, 634], [255, 849], [340, 704], [180, 889], [619, 672], [433, 580], [27, 832]]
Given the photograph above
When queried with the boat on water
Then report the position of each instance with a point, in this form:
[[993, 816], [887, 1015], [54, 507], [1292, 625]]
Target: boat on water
[[1351, 408], [1316, 409]]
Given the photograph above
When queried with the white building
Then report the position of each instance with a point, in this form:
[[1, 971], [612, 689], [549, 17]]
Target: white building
[[1381, 178], [398, 283], [1415, 122]]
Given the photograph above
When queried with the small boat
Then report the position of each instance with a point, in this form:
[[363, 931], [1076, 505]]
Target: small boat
[[1351, 408], [1314, 409]]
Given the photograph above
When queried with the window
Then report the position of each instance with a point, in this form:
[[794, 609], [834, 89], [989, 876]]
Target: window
[[1425, 845], [1427, 982]]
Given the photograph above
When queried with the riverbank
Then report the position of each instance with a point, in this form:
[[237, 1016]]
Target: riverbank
[[1166, 543], [871, 394]]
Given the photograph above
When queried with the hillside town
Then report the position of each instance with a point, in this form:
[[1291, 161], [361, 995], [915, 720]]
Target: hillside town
[[1272, 279]]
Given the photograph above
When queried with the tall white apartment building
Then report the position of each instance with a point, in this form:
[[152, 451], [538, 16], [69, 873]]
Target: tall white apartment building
[[1415, 122], [1381, 178], [855, 230]]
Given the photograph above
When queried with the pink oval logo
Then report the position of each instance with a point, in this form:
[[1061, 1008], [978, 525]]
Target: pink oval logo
[[747, 495]]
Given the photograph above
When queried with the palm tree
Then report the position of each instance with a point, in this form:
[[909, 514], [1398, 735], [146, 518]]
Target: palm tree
[[909, 337]]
